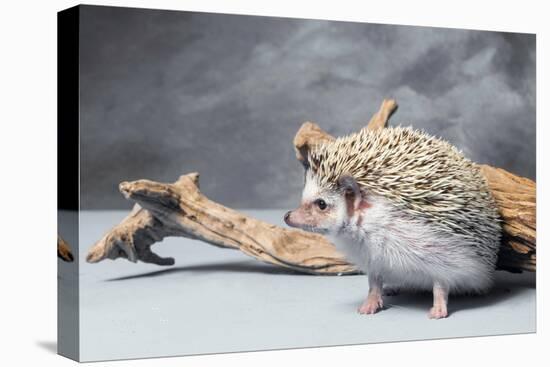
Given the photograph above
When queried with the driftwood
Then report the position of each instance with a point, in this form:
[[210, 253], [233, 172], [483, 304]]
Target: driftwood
[[64, 250], [180, 209], [517, 201]]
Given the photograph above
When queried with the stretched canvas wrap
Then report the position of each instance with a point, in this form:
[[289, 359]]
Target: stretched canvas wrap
[[240, 183]]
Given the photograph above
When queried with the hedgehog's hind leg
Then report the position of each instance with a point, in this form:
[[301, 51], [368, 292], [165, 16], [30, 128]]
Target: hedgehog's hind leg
[[441, 297]]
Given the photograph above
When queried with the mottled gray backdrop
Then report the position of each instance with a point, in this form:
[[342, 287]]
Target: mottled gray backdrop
[[165, 93]]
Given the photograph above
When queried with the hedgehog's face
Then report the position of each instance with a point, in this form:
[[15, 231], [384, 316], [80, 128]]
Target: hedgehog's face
[[322, 210]]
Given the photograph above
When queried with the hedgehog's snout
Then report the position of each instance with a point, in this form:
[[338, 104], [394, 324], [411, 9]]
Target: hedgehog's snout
[[294, 218], [287, 217]]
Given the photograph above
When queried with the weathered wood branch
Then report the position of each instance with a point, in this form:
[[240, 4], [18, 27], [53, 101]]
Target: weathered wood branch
[[180, 209], [64, 250], [517, 202]]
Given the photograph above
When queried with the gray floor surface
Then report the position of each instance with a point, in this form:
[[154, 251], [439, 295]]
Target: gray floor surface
[[217, 300]]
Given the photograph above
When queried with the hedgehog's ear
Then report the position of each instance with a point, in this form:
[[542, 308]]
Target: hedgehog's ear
[[352, 193], [303, 156]]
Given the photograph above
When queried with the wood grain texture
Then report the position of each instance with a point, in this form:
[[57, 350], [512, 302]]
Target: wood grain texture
[[517, 203]]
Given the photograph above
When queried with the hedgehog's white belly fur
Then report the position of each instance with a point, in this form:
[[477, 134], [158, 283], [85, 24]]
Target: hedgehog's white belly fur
[[412, 253]]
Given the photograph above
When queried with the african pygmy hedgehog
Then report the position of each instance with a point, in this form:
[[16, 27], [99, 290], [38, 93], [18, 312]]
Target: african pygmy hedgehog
[[407, 209]]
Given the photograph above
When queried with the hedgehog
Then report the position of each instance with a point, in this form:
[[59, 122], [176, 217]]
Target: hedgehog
[[407, 209]]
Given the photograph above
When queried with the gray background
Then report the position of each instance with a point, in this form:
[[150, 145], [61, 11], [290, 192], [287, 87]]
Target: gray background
[[165, 93]]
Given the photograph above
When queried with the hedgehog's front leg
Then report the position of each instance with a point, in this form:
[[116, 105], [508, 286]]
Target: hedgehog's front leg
[[441, 296], [374, 301]]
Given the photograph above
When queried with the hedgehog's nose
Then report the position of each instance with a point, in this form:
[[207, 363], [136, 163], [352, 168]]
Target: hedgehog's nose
[[287, 215]]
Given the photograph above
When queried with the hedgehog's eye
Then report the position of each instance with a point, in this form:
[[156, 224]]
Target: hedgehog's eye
[[321, 204]]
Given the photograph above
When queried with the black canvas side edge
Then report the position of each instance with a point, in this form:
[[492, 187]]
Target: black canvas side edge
[[68, 172]]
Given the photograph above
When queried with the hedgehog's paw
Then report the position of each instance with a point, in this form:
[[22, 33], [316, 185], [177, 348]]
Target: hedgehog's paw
[[372, 304], [438, 311]]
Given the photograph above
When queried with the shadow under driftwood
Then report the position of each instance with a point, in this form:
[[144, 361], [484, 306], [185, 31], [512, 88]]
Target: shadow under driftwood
[[506, 285], [233, 267]]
